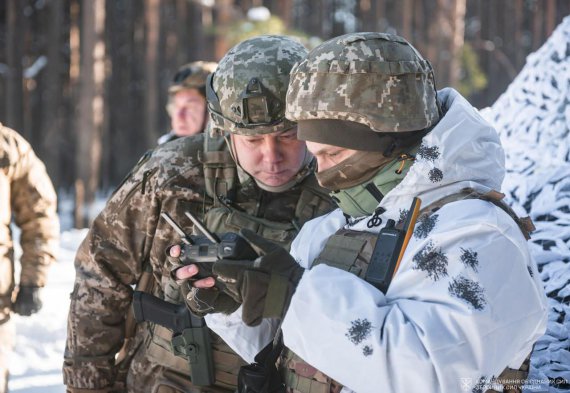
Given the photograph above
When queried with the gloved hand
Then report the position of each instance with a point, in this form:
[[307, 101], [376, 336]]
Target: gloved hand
[[205, 298], [28, 301], [264, 286], [202, 301]]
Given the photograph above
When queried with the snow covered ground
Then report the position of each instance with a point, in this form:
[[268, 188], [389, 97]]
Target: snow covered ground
[[36, 364], [533, 117]]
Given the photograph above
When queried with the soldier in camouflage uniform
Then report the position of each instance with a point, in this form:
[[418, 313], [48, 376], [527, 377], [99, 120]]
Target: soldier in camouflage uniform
[[27, 193], [187, 100], [368, 303], [259, 176]]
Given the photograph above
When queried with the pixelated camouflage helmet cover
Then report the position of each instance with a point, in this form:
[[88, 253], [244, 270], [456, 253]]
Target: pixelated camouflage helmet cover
[[246, 94], [375, 79]]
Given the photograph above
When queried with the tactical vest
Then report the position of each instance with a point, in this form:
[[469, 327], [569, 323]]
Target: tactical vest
[[233, 206], [351, 251], [237, 206]]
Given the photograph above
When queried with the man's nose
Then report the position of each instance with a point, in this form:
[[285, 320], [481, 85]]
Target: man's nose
[[272, 151], [181, 113]]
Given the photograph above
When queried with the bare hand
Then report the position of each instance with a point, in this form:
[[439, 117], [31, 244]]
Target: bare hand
[[188, 271]]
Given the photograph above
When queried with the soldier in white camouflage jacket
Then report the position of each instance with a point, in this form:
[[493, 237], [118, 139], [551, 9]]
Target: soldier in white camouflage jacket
[[455, 304]]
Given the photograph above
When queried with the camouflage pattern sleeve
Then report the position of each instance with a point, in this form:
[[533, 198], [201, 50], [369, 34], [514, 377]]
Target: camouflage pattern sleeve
[[34, 205], [108, 262], [127, 236]]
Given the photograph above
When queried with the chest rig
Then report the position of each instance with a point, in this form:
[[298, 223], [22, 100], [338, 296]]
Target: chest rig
[[275, 216], [351, 251]]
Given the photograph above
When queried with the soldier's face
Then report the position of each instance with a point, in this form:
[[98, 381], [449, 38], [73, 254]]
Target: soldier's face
[[328, 155], [187, 111], [273, 159]]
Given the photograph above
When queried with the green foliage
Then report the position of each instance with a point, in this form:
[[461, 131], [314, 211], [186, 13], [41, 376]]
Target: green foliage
[[473, 79], [244, 29]]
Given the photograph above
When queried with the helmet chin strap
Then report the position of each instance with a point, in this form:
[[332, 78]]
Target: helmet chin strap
[[304, 171]]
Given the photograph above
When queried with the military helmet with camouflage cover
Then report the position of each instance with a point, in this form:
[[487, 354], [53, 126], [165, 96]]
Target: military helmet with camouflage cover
[[246, 94], [192, 76], [377, 80]]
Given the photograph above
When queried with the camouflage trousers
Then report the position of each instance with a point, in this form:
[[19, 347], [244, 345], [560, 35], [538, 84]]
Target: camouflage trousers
[[6, 347]]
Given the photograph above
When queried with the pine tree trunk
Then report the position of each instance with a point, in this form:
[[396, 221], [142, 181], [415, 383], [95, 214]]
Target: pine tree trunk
[[90, 119], [223, 19], [446, 40], [550, 17], [14, 53], [152, 21], [52, 132]]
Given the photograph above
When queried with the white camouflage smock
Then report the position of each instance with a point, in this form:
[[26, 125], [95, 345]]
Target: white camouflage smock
[[465, 303]]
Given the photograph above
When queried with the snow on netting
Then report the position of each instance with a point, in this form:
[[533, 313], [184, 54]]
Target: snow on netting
[[533, 119]]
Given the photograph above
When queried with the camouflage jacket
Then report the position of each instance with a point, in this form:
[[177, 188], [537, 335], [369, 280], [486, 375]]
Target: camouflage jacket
[[27, 193], [129, 235]]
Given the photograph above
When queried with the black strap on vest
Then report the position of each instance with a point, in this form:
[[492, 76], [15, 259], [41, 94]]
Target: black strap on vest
[[262, 375]]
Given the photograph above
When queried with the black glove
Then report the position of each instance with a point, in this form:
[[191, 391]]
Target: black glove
[[265, 286], [28, 301], [201, 301]]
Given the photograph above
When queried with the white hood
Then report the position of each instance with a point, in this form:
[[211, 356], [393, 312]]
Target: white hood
[[462, 146], [461, 151]]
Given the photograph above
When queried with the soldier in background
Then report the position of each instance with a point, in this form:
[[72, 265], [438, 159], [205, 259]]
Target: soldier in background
[[253, 173], [26, 193], [187, 100]]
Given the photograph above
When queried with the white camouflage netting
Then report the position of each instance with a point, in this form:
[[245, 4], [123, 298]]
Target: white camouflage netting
[[533, 119]]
